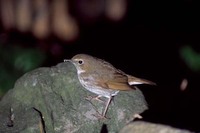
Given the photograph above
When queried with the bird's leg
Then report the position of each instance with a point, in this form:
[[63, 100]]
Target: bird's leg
[[89, 98], [103, 115], [106, 108]]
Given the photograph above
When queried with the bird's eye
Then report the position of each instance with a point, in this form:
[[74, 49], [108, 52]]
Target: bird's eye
[[80, 62]]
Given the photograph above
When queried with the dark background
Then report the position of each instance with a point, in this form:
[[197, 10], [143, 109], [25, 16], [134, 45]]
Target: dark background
[[146, 43]]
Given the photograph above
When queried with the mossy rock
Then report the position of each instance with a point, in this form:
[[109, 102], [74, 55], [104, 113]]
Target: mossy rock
[[52, 100]]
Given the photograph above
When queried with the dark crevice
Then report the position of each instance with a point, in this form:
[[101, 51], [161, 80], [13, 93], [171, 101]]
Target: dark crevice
[[42, 120], [11, 118], [104, 129]]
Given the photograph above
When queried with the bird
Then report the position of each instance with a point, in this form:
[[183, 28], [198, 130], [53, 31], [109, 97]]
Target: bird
[[102, 78]]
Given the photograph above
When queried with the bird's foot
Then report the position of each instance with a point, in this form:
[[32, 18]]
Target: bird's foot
[[100, 116], [97, 98]]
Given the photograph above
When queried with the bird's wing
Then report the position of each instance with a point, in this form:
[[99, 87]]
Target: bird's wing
[[117, 82]]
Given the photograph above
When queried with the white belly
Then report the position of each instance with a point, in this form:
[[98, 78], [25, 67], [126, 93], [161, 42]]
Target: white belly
[[97, 89]]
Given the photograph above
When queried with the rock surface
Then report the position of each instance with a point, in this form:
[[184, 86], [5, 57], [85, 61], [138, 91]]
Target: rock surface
[[146, 127], [51, 100]]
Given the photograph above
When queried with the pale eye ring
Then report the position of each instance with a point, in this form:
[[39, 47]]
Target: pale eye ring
[[80, 62]]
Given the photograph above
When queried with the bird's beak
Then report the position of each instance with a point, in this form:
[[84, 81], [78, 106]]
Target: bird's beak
[[66, 60]]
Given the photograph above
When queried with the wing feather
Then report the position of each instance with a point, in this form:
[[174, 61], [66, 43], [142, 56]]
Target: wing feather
[[118, 82]]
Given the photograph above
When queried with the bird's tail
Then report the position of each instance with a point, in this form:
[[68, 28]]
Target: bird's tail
[[136, 81]]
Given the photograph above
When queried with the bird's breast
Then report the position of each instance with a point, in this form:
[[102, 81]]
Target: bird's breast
[[90, 82]]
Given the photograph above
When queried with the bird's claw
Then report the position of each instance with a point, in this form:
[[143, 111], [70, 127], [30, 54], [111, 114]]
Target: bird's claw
[[97, 98], [100, 116]]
